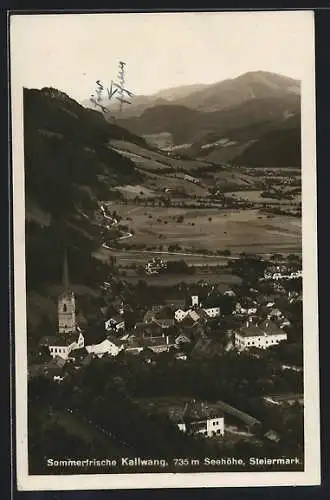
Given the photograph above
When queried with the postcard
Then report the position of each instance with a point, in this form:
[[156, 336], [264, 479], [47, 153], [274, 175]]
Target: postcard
[[165, 250]]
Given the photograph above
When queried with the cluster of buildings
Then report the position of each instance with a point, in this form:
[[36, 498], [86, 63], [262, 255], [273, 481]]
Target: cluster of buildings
[[282, 272], [163, 328], [156, 265]]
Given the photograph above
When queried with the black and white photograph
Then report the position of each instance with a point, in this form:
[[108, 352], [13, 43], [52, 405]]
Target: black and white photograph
[[165, 243]]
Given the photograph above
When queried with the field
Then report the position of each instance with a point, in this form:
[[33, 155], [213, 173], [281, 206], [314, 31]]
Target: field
[[211, 229], [152, 160], [224, 281], [255, 196]]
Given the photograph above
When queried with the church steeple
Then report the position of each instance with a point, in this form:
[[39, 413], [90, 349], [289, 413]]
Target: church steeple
[[66, 303]]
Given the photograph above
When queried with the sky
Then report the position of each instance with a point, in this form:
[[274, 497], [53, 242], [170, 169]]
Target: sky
[[161, 50]]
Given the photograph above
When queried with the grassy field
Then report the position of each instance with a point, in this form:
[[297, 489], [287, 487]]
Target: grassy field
[[255, 196], [238, 231], [160, 182], [224, 281], [152, 159]]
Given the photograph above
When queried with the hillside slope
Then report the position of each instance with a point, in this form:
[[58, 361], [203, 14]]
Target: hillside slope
[[190, 126], [69, 166], [280, 147]]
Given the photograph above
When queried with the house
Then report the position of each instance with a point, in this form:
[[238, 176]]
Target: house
[[152, 329], [248, 309], [192, 316], [155, 265], [165, 322], [116, 323], [212, 312], [136, 345], [180, 314], [199, 418], [162, 316], [150, 315], [260, 337], [111, 346], [181, 356], [184, 338], [62, 345], [77, 355]]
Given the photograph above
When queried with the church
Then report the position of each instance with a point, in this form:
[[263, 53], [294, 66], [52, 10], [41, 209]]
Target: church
[[69, 335]]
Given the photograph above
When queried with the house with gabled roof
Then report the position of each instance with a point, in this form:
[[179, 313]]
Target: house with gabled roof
[[62, 345], [135, 345], [110, 346], [199, 418], [261, 336]]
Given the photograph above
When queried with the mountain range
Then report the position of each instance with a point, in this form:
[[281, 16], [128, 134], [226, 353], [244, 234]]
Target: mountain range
[[212, 97], [240, 119]]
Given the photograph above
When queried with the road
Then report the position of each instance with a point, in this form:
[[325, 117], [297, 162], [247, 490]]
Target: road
[[219, 258]]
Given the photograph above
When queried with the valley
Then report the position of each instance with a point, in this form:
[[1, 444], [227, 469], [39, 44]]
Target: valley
[[179, 227]]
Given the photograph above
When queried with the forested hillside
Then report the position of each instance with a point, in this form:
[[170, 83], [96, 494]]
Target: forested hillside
[[69, 167]]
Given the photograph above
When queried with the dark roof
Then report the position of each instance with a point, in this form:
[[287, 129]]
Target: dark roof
[[202, 314], [149, 316], [165, 322], [265, 328], [211, 301], [197, 410], [166, 312], [57, 362], [176, 302], [117, 342], [148, 330], [79, 353], [136, 342], [117, 318], [64, 339], [187, 322]]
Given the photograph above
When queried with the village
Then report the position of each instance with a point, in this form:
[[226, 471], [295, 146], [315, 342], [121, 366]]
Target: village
[[197, 324]]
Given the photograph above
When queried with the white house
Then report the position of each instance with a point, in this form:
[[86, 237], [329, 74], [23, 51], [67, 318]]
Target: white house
[[208, 427], [261, 337], [180, 314], [107, 346], [213, 312], [63, 344], [115, 323], [197, 418]]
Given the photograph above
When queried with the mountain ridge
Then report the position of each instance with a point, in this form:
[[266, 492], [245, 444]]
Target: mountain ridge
[[215, 96]]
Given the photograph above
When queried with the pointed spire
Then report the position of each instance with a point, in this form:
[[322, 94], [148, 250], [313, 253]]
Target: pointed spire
[[66, 285]]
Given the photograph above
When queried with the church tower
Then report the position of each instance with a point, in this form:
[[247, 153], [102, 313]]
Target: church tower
[[66, 304]]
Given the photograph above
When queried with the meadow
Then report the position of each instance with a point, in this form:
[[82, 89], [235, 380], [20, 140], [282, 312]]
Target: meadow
[[211, 229]]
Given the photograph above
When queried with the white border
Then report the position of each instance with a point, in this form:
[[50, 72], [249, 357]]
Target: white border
[[311, 475]]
